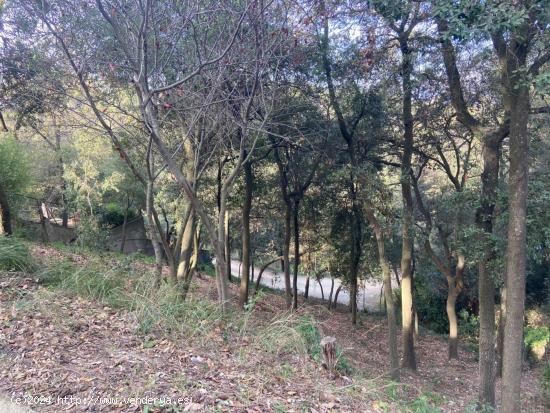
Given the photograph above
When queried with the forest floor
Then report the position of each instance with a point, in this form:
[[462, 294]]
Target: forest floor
[[63, 351]]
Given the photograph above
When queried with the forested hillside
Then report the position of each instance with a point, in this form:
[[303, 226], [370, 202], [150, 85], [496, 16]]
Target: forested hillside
[[282, 205]]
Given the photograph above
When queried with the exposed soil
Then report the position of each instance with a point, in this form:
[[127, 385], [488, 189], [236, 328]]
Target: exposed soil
[[62, 353]]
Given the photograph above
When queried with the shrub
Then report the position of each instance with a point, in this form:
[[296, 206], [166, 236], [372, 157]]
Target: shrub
[[468, 324], [536, 340], [14, 255], [112, 215], [90, 235], [430, 305], [15, 170]]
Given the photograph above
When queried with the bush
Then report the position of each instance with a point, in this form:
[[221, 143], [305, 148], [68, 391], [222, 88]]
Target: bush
[[15, 175], [14, 255], [536, 340], [90, 235], [468, 324], [113, 215], [430, 305]]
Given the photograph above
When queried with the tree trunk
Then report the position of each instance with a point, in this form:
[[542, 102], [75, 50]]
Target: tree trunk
[[227, 244], [409, 357], [335, 301], [321, 287], [186, 246], [516, 250], [193, 261], [330, 295], [153, 234], [356, 251], [388, 295], [453, 323], [486, 284], [247, 206], [286, 253], [5, 211], [124, 223], [500, 330], [306, 289], [220, 251], [296, 252]]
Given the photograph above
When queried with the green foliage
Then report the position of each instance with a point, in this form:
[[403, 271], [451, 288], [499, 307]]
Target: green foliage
[[535, 336], [468, 324], [15, 175], [430, 304], [422, 404], [536, 339], [312, 338], [112, 215], [94, 280], [162, 310], [90, 234], [14, 255], [117, 284]]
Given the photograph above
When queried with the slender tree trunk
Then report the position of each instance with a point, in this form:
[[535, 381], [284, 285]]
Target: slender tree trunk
[[227, 244], [407, 307], [3, 123], [153, 235], [321, 287], [388, 295], [247, 206], [453, 323], [5, 211], [306, 289], [330, 295], [296, 252], [286, 253], [356, 251], [500, 330], [193, 261], [186, 249], [516, 250], [455, 288], [335, 301], [124, 223], [486, 284], [221, 265]]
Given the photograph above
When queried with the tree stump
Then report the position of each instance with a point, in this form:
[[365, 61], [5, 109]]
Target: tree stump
[[328, 346]]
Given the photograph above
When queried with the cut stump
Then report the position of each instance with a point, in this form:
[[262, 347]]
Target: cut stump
[[328, 346]]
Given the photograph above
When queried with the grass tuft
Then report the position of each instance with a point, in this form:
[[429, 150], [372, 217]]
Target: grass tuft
[[15, 256]]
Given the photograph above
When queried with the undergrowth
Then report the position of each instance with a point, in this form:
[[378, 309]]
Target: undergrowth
[[15, 256], [120, 284], [297, 334]]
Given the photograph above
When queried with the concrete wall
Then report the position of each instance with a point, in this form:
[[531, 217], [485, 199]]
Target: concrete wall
[[136, 238]]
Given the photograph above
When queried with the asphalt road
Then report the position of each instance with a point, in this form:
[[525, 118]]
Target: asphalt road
[[368, 294]]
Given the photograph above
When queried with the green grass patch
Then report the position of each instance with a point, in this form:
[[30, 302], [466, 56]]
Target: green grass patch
[[15, 255]]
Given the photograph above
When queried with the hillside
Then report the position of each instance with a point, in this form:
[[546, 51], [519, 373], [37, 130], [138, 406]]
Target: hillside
[[86, 333]]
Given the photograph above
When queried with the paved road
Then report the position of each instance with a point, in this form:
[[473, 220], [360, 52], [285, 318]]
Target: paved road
[[368, 294]]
